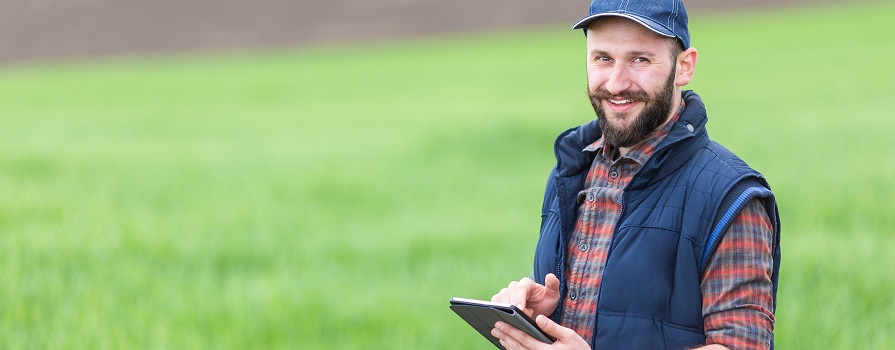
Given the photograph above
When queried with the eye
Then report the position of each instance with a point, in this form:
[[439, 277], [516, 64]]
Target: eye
[[602, 59], [640, 60]]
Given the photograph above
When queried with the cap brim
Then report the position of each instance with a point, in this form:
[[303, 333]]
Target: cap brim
[[650, 24]]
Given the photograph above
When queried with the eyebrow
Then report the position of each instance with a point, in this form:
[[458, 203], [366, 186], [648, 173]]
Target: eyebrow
[[634, 53]]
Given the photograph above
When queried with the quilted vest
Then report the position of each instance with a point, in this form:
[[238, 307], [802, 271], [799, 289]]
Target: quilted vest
[[674, 213]]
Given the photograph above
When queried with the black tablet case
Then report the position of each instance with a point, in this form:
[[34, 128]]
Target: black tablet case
[[483, 315]]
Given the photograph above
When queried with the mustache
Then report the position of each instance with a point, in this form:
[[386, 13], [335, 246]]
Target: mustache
[[603, 94]]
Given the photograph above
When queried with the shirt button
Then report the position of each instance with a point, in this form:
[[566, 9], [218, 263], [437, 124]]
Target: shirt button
[[613, 174], [689, 127], [590, 197], [573, 295], [583, 247]]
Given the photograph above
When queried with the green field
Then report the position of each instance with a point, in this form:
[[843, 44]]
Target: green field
[[337, 197]]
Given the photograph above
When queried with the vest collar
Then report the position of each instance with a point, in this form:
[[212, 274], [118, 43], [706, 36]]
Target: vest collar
[[687, 135]]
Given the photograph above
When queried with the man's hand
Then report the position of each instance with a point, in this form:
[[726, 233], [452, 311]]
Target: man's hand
[[534, 299], [514, 339]]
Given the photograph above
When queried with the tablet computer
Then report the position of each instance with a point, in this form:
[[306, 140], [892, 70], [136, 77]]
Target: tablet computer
[[482, 315]]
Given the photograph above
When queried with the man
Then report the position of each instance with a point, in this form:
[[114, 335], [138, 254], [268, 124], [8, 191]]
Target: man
[[652, 235]]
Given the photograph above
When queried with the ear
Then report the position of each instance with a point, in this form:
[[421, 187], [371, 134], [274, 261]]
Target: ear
[[686, 66]]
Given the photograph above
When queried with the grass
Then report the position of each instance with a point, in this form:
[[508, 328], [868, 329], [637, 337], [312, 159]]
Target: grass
[[337, 197]]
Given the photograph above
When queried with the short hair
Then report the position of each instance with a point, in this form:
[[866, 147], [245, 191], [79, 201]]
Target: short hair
[[676, 48]]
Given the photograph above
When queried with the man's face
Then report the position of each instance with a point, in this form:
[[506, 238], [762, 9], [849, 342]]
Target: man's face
[[630, 79]]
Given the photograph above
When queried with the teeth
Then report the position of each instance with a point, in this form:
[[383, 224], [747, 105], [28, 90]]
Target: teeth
[[619, 102]]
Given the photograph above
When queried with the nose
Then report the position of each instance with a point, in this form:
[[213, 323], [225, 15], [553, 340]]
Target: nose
[[619, 80]]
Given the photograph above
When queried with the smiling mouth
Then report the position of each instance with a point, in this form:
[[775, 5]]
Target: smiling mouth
[[621, 105]]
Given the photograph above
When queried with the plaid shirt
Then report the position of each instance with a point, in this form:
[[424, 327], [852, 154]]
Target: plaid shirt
[[737, 302]]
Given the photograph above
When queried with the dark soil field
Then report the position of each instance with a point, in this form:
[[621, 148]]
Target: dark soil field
[[52, 29]]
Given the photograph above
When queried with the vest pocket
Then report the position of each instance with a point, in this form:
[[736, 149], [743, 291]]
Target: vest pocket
[[639, 275], [625, 331], [638, 299]]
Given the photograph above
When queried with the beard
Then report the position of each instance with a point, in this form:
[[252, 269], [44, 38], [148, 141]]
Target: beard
[[653, 115]]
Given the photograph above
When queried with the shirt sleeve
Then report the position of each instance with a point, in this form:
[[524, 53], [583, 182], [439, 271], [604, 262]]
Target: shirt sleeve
[[737, 292]]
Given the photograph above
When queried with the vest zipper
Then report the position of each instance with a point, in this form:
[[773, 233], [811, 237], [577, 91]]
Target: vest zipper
[[560, 264], [557, 314]]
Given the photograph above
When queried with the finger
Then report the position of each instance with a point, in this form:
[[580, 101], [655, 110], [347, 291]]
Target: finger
[[500, 297], [519, 292], [513, 338], [501, 332], [553, 329], [552, 283], [529, 311], [496, 333], [510, 344]]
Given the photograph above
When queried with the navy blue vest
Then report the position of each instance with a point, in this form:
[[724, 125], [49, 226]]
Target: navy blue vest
[[675, 211]]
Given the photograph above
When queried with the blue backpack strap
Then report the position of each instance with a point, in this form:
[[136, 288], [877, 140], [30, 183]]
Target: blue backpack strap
[[733, 203]]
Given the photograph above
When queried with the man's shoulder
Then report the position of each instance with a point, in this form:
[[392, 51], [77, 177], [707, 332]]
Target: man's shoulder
[[721, 159]]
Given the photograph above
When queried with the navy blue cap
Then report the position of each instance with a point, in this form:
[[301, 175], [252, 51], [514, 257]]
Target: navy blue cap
[[665, 17]]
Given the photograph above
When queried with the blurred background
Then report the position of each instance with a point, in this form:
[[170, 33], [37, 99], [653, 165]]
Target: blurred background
[[326, 175], [35, 29]]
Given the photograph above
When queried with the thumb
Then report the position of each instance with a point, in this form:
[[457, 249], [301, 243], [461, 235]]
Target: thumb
[[552, 283], [551, 328]]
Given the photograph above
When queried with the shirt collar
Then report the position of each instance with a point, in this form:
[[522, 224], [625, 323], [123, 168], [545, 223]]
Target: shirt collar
[[642, 151]]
